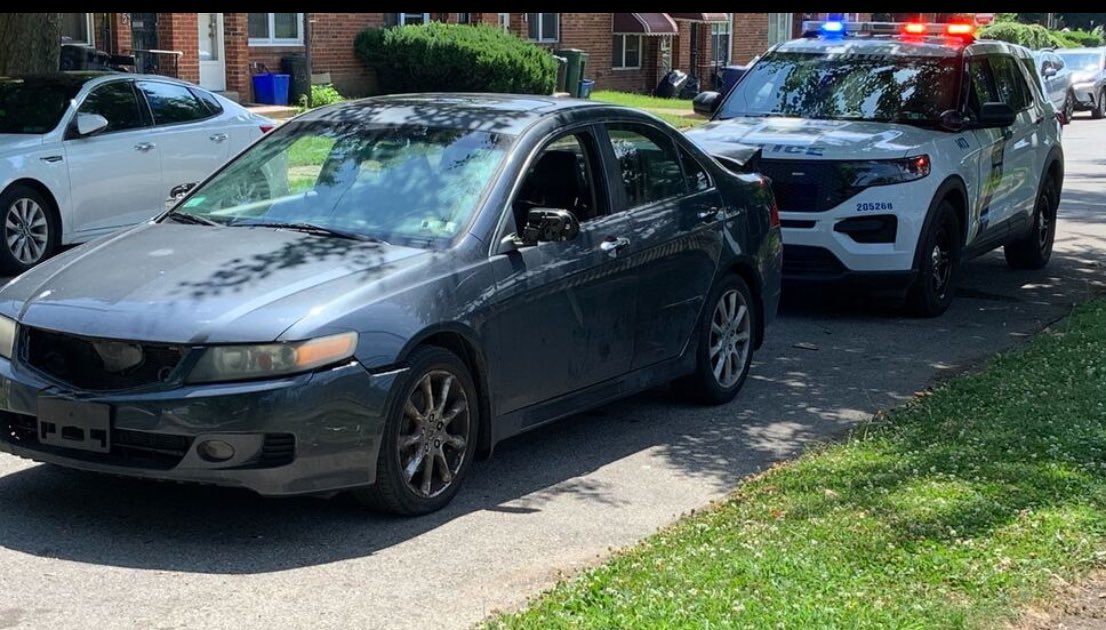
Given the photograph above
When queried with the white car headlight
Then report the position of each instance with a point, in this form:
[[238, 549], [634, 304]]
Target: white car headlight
[[7, 336], [243, 362]]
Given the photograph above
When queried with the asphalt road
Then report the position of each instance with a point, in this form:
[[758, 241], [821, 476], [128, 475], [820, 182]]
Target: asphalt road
[[82, 551]]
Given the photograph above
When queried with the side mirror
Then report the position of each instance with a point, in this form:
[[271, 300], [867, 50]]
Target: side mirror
[[176, 193], [549, 224], [1048, 72], [706, 103], [90, 124], [996, 115]]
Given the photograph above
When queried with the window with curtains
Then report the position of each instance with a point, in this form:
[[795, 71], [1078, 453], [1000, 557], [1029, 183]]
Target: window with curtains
[[626, 52], [779, 27], [543, 27], [720, 33], [77, 27], [275, 29]]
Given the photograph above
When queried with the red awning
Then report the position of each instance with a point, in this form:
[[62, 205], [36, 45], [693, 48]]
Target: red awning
[[700, 17], [643, 24]]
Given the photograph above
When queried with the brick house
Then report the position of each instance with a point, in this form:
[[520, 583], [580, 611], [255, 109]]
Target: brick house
[[627, 51]]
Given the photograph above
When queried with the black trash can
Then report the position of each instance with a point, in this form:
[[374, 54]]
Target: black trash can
[[295, 66]]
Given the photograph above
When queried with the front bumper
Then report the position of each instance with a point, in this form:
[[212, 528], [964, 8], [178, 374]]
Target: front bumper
[[305, 434], [1085, 95]]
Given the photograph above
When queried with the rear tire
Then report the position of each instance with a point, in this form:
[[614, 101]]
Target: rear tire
[[429, 438], [728, 327], [939, 266], [29, 229], [1035, 248]]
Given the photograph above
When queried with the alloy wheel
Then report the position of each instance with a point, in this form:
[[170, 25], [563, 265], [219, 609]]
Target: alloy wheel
[[26, 231], [434, 434], [1044, 220], [730, 338]]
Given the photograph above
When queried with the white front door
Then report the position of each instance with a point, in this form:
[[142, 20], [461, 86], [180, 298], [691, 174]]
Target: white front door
[[213, 67]]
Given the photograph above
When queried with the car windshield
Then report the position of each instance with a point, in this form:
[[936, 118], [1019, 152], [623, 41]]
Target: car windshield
[[411, 184], [33, 106], [850, 86], [1082, 60]]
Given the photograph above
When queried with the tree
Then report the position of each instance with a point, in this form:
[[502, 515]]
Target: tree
[[29, 42]]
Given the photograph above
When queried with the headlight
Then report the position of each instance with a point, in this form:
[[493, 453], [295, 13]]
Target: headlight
[[236, 363], [7, 336], [883, 172]]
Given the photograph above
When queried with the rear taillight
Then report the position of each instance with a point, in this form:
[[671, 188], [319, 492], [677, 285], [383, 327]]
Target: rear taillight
[[774, 214], [266, 128]]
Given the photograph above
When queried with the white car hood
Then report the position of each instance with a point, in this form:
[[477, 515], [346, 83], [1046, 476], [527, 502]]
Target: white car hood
[[792, 138]]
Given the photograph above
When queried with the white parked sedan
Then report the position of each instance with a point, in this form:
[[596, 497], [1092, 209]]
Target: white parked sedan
[[86, 153]]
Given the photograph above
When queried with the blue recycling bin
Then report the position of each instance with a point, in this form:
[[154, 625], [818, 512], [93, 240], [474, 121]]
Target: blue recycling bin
[[585, 87], [271, 88]]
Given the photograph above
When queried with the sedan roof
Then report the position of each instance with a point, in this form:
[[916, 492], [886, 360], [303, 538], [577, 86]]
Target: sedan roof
[[504, 113]]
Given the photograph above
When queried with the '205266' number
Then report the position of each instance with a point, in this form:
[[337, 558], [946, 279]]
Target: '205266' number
[[872, 206]]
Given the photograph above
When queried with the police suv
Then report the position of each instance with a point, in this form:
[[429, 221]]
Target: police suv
[[897, 152]]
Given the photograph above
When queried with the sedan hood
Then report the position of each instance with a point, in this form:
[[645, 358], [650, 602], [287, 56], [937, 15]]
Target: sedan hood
[[192, 284], [813, 139], [15, 142]]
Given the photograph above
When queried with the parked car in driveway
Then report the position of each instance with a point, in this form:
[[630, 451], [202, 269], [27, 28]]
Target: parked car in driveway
[[379, 291], [86, 153], [1056, 82], [1088, 67]]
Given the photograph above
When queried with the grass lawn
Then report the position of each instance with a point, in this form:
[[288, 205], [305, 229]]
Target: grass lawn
[[953, 511], [641, 101]]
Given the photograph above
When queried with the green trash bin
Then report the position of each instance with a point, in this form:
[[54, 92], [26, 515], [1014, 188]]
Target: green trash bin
[[575, 67]]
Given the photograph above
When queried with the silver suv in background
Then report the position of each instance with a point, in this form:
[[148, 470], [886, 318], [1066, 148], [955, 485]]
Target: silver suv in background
[[1088, 67], [1056, 81]]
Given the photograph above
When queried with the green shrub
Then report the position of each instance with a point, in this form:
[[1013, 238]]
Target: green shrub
[[325, 94], [1080, 38], [439, 57], [1032, 36]]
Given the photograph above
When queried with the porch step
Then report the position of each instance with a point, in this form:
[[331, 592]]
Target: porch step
[[233, 96]]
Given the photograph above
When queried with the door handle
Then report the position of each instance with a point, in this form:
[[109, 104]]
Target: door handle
[[143, 146], [217, 137], [1039, 120], [709, 214], [612, 244]]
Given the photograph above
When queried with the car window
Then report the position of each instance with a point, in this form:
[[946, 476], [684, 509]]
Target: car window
[[695, 176], [116, 102], [1057, 61], [172, 103], [648, 162], [34, 105], [410, 184], [209, 100], [982, 84], [1009, 83], [561, 176]]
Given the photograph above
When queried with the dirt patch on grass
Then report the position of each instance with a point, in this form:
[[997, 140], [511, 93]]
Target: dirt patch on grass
[[1077, 607]]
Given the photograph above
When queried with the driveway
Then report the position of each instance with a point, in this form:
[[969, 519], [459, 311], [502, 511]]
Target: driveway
[[77, 550]]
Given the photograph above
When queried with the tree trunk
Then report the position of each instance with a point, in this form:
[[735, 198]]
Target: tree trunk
[[29, 42]]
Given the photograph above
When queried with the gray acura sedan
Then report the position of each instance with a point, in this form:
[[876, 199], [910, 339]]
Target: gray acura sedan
[[378, 292]]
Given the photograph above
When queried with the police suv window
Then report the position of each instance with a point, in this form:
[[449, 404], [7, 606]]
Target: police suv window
[[1010, 83], [982, 84]]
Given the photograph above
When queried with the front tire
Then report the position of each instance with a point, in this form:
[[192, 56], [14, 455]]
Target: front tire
[[1035, 249], [29, 229], [725, 351], [939, 267], [429, 437], [1069, 107], [1099, 107]]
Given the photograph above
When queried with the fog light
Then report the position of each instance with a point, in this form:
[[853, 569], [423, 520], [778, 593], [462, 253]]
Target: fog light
[[215, 450]]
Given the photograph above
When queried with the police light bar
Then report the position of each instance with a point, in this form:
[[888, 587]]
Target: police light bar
[[837, 28]]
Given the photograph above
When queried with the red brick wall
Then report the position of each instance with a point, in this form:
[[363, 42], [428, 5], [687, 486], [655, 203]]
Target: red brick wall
[[332, 36], [179, 31], [750, 36], [237, 55]]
